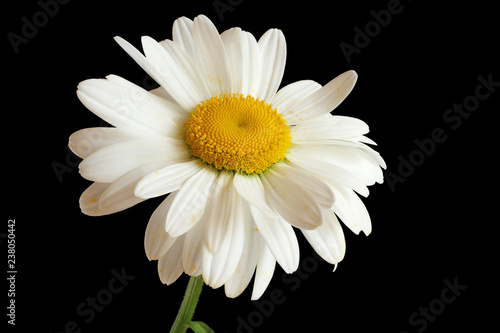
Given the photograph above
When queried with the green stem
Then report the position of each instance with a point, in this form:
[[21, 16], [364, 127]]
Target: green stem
[[188, 305]]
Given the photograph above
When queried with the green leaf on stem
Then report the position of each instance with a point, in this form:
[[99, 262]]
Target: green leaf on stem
[[200, 327]]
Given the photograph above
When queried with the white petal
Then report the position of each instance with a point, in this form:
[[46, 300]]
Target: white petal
[[175, 74], [372, 171], [189, 66], [109, 163], [218, 267], [160, 96], [272, 47], [221, 259], [170, 265], [296, 196], [126, 105], [120, 194], [368, 150], [292, 93], [190, 202], [322, 101], [251, 71], [223, 212], [86, 141], [192, 254], [89, 200], [328, 127], [157, 241], [348, 207], [211, 56], [235, 51], [266, 264], [347, 167], [251, 189], [167, 179], [182, 34], [280, 238], [353, 212], [246, 266], [244, 60], [138, 57], [328, 240]]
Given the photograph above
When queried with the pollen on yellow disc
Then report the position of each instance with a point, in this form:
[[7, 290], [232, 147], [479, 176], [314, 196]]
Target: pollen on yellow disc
[[238, 133]]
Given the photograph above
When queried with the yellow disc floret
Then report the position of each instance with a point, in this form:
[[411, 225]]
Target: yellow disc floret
[[238, 133]]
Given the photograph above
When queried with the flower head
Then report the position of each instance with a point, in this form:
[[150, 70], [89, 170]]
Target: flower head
[[244, 162]]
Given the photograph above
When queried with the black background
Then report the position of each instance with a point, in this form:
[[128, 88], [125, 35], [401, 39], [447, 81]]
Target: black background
[[439, 224]]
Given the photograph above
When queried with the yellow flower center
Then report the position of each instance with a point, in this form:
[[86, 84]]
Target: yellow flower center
[[238, 133]]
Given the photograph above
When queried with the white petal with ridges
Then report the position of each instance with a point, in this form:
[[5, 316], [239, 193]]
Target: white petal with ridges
[[251, 189], [272, 47], [111, 162], [266, 264], [223, 212], [351, 168], [167, 179], [211, 56], [176, 75], [192, 254], [182, 34], [348, 207], [120, 194], [187, 64], [292, 93], [88, 140], [296, 196], [328, 240], [218, 267], [244, 60], [164, 70], [368, 150], [161, 98], [359, 218], [191, 201], [126, 106], [170, 264], [224, 236], [138, 57], [280, 238], [246, 265], [89, 200], [236, 52], [157, 241], [324, 100], [328, 127]]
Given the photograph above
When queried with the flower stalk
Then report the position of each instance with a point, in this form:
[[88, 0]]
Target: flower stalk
[[183, 320]]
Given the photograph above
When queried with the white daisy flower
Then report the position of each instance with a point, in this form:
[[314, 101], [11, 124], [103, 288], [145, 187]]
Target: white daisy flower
[[244, 162]]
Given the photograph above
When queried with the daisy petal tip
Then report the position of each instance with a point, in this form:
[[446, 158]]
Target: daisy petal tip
[[121, 42], [147, 38], [202, 17], [232, 293], [139, 191]]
